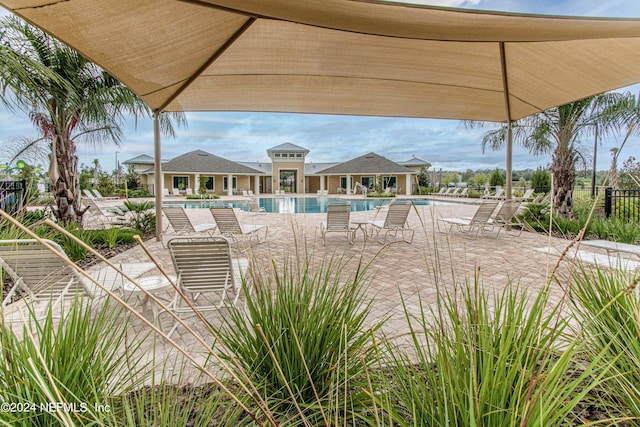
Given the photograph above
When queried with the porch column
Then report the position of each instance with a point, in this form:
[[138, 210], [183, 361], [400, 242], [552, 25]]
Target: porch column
[[196, 183], [229, 185], [348, 184], [408, 182], [256, 184], [321, 182]]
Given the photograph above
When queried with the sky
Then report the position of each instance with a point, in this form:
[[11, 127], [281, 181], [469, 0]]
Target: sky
[[446, 144]]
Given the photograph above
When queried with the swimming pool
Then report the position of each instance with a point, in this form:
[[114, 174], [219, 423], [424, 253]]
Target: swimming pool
[[291, 204]]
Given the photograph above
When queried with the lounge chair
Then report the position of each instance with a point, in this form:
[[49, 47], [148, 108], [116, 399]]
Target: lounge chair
[[255, 207], [479, 222], [181, 223], [250, 193], [188, 192], [441, 192], [498, 195], [99, 196], [99, 212], [245, 193], [228, 225], [394, 222], [205, 272], [526, 197], [455, 192], [463, 193], [337, 221], [175, 191], [89, 194], [506, 216], [165, 192], [41, 274]]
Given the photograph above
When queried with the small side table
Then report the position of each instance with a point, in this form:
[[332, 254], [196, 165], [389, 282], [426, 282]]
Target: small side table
[[150, 284], [360, 225]]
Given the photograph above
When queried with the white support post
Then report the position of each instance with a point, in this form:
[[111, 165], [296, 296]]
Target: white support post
[[408, 184], [229, 185]]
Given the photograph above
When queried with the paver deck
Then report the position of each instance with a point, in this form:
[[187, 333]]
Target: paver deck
[[421, 272]]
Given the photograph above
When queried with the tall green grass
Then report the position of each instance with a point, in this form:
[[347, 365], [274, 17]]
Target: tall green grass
[[487, 361], [84, 358], [606, 305], [303, 342]]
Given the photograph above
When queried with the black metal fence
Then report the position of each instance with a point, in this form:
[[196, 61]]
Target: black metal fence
[[12, 196], [623, 204]]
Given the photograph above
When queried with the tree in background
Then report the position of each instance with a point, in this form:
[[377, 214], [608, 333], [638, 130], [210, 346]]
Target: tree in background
[[541, 181], [497, 179], [558, 131], [424, 177], [133, 178], [68, 99]]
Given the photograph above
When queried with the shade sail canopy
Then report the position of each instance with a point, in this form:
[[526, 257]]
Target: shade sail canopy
[[343, 56]]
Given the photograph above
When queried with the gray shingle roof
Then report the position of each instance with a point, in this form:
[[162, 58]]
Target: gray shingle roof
[[142, 159], [371, 163], [202, 162], [289, 147], [414, 161]]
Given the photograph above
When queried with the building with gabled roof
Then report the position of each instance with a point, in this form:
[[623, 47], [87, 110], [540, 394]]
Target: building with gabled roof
[[287, 171]]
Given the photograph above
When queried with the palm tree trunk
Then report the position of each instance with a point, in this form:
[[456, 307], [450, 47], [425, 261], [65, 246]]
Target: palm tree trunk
[[564, 176], [66, 189]]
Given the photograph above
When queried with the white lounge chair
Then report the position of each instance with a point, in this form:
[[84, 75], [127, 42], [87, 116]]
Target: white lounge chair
[[205, 273], [181, 223], [228, 225], [165, 192], [255, 207], [41, 273], [479, 222], [526, 197], [99, 196], [395, 221], [337, 221]]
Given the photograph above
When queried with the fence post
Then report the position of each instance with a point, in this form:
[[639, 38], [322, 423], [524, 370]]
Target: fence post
[[607, 201]]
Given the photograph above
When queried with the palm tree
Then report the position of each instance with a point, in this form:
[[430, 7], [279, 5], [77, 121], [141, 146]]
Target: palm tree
[[68, 99], [560, 129]]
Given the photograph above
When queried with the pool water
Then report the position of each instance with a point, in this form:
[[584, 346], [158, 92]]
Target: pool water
[[291, 204]]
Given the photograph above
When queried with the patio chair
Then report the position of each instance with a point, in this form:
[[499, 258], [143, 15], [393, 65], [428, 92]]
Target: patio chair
[[463, 193], [250, 193], [205, 272], [526, 197], [181, 223], [43, 276], [499, 195], [506, 216], [228, 225], [394, 222], [99, 212], [99, 196], [455, 192], [165, 192], [89, 194], [337, 221], [255, 207], [441, 192], [479, 221]]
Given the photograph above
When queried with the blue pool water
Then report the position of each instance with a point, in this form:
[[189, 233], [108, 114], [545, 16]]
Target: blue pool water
[[291, 204]]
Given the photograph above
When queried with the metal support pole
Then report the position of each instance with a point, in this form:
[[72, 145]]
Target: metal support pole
[[157, 170]]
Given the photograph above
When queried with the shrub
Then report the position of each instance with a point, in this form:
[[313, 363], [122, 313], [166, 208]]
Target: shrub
[[496, 180], [137, 216], [75, 359], [541, 181], [302, 340], [487, 363], [606, 306]]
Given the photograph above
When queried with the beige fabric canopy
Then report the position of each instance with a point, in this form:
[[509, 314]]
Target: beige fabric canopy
[[343, 56]]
